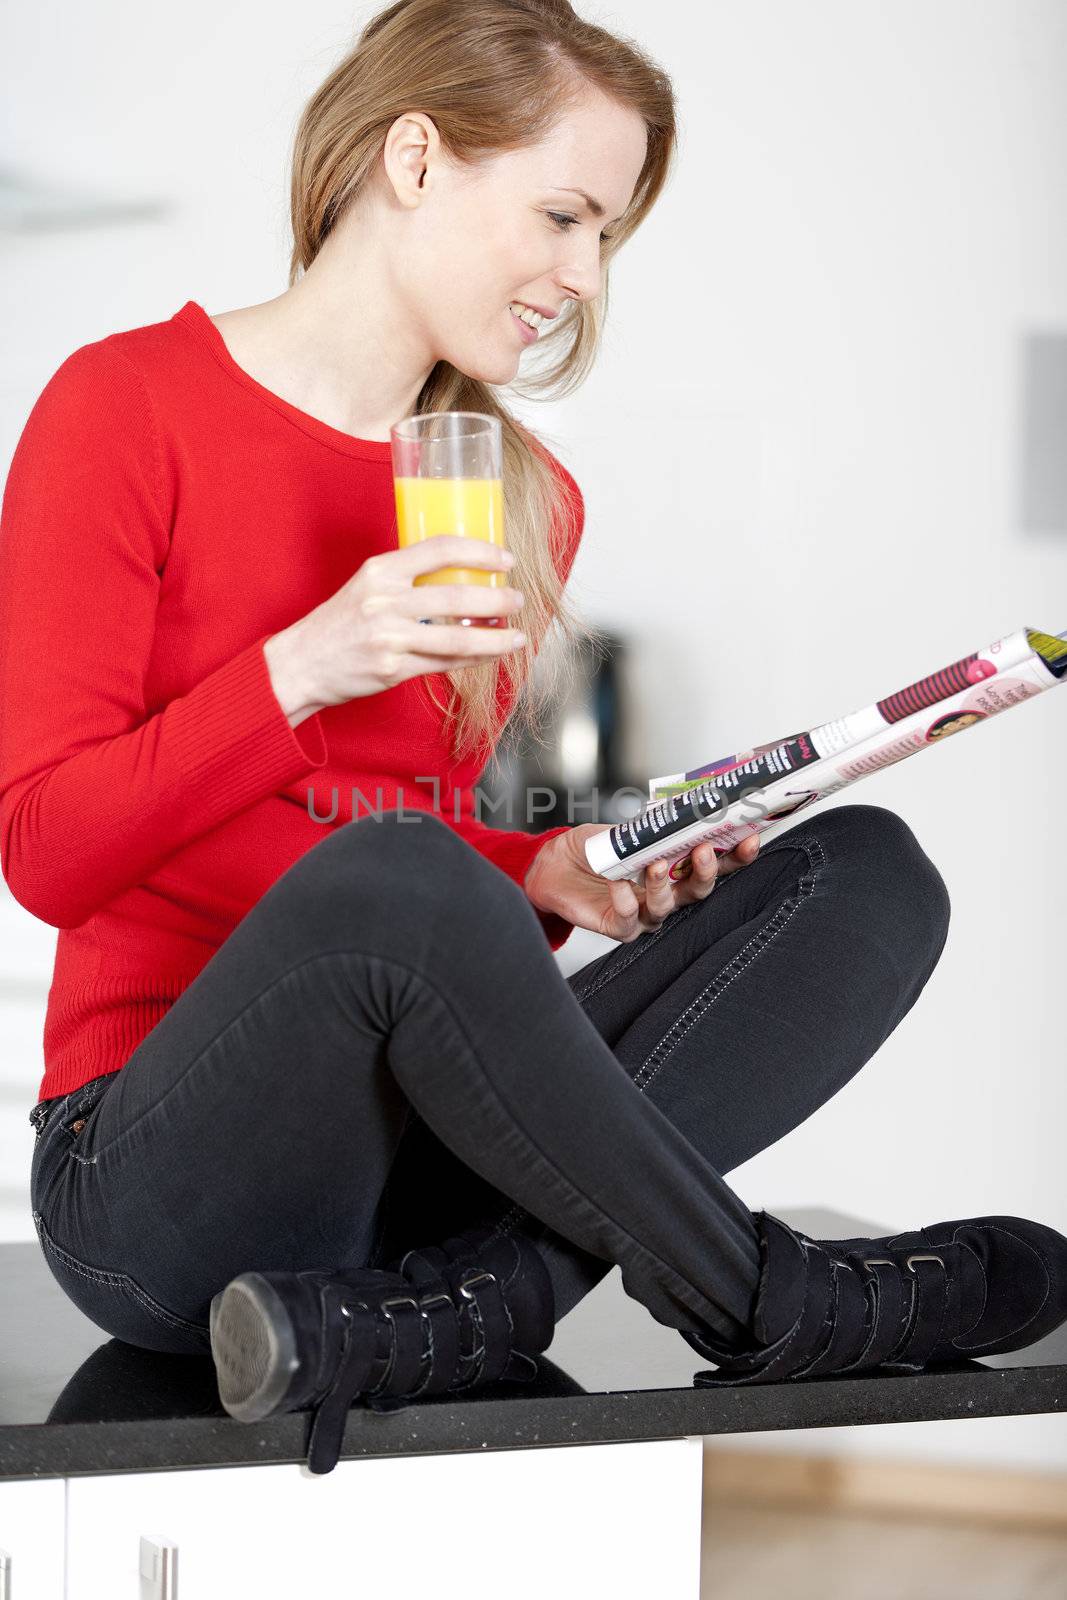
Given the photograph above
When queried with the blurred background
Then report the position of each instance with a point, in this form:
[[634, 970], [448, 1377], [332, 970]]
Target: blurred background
[[822, 455]]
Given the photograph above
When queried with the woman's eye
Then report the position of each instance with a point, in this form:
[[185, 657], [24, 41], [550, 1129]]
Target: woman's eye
[[563, 223]]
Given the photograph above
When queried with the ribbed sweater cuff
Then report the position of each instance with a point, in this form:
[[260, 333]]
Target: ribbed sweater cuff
[[230, 735]]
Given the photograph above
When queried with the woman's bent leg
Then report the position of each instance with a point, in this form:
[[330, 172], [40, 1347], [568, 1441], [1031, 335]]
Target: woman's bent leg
[[743, 1012], [390, 967]]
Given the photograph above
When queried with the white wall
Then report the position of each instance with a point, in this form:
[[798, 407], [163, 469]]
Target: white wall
[[811, 388]]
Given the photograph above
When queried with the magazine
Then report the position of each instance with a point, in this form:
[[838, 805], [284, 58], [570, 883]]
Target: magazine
[[754, 791]]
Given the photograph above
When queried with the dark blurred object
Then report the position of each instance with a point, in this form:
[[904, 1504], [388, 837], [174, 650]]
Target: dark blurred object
[[584, 750]]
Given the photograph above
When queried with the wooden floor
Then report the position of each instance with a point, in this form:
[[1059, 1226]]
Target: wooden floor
[[783, 1553]]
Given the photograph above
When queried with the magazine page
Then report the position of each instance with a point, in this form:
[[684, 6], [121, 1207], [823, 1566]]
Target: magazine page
[[831, 737], [756, 795]]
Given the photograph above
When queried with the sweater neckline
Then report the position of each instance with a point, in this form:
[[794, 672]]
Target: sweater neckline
[[193, 316]]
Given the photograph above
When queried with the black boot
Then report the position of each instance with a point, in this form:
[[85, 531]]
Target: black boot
[[948, 1293], [447, 1318]]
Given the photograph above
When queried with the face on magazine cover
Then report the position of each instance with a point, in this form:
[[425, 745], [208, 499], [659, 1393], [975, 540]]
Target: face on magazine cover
[[953, 724], [795, 805]]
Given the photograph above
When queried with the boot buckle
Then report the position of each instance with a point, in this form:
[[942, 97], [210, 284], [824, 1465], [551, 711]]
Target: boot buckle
[[938, 1259], [399, 1300], [884, 1261], [479, 1277]]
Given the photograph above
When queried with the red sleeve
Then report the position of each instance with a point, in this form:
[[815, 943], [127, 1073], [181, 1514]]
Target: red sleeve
[[513, 852], [94, 795]]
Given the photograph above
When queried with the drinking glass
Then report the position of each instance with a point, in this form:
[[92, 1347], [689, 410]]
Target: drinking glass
[[447, 475]]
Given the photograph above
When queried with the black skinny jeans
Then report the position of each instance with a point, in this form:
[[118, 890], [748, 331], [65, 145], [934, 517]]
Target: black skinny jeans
[[384, 1051]]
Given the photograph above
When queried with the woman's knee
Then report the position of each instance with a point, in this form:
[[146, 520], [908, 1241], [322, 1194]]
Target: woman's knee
[[884, 844], [405, 835], [388, 835], [409, 859]]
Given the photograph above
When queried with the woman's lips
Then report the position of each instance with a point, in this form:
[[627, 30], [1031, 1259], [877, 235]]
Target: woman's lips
[[528, 333]]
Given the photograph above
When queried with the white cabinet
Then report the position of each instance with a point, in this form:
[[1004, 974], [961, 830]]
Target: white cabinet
[[615, 1519], [32, 1515]]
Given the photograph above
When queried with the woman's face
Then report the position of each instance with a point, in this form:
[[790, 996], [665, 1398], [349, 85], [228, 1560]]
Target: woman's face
[[469, 241], [964, 720]]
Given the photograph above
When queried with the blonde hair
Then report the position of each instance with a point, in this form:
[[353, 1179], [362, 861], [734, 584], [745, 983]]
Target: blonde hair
[[494, 75]]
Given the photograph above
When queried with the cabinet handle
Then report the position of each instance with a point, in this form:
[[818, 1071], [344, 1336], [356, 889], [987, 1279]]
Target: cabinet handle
[[159, 1569], [5, 1576]]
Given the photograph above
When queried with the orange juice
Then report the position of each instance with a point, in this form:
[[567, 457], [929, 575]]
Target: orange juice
[[470, 507]]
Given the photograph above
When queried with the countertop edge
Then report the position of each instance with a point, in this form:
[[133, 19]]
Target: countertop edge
[[76, 1449]]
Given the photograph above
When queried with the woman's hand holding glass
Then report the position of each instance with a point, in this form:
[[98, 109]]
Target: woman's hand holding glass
[[368, 637]]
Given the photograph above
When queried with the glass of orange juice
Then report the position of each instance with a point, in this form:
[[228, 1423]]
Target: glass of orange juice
[[447, 474]]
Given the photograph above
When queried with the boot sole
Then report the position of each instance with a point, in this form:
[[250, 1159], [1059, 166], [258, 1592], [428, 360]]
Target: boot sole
[[253, 1343]]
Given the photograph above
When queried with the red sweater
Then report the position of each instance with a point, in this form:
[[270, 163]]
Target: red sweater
[[163, 516]]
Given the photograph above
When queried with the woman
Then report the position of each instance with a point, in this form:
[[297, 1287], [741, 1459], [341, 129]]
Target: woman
[[317, 1096]]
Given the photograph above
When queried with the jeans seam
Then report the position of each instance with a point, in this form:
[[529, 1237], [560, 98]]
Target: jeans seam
[[84, 1107], [757, 944], [640, 947], [45, 1110], [110, 1279], [672, 921]]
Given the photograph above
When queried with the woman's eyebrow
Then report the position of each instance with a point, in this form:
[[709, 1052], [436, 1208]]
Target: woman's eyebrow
[[594, 205]]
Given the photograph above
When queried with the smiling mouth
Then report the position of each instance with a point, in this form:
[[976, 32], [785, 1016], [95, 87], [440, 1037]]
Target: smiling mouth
[[534, 331]]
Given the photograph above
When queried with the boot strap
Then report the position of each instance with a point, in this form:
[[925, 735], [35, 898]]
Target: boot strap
[[441, 1320], [358, 1352], [774, 1362], [424, 1355], [477, 1305], [361, 1358], [491, 1326], [848, 1323], [931, 1295], [908, 1317], [892, 1307], [408, 1356]]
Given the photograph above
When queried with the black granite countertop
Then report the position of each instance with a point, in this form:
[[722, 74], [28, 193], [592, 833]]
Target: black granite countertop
[[75, 1401]]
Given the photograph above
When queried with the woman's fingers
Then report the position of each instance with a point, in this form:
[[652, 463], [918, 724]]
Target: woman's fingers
[[698, 870], [666, 888], [740, 855], [695, 875], [626, 907]]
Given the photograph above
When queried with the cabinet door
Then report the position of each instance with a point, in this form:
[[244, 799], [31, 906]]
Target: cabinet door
[[31, 1538], [615, 1519]]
